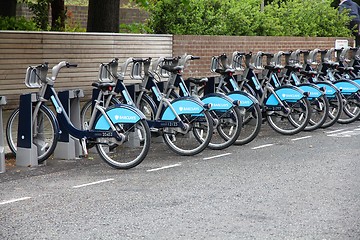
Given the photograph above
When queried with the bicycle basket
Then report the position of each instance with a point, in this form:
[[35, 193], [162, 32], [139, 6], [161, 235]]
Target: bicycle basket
[[215, 64], [136, 71], [108, 72], [35, 75]]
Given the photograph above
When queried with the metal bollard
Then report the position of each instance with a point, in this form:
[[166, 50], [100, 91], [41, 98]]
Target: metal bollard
[[67, 147], [27, 151], [2, 146]]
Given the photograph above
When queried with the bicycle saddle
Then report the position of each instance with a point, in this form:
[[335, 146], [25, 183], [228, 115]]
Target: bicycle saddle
[[172, 69], [197, 81], [103, 85]]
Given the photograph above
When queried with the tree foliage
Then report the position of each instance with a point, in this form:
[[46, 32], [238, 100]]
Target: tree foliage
[[233, 17]]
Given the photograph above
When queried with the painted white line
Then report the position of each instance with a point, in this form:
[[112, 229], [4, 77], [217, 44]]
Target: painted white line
[[165, 167], [300, 138], [217, 156], [357, 129], [341, 134], [339, 130], [262, 146], [14, 200], [93, 183]]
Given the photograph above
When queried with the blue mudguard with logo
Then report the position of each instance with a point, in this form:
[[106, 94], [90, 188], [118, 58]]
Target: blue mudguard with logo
[[246, 99], [330, 89], [313, 90], [347, 87], [218, 101], [285, 93], [119, 113], [183, 105], [357, 80]]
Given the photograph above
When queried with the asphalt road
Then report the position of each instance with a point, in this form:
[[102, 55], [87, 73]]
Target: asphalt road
[[305, 186]]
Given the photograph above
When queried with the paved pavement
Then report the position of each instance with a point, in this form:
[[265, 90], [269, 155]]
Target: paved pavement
[[277, 187]]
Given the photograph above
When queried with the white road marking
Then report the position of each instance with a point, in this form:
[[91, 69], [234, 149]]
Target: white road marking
[[165, 167], [14, 200], [217, 156], [300, 138], [262, 146], [93, 183], [339, 130]]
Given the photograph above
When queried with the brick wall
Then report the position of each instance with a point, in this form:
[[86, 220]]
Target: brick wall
[[208, 46]]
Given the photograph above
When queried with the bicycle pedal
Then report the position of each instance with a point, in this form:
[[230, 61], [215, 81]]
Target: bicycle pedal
[[154, 130]]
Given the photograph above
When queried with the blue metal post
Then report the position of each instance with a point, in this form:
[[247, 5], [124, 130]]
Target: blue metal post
[[27, 152], [67, 146]]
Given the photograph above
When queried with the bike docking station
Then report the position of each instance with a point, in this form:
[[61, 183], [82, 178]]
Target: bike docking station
[[27, 150], [2, 146], [68, 148]]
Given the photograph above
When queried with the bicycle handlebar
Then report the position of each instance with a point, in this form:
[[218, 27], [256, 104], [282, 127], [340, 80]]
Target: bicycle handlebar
[[55, 70]]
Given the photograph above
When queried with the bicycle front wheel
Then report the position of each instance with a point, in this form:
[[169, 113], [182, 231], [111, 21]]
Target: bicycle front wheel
[[335, 109], [319, 112], [228, 128], [251, 124], [195, 139], [351, 110], [132, 151], [291, 121], [45, 132]]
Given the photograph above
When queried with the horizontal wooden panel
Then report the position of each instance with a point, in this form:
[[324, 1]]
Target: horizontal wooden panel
[[18, 50]]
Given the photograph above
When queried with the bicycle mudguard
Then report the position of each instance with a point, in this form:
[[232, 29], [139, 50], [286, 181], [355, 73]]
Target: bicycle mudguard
[[285, 93], [357, 80], [119, 113], [330, 89], [246, 100], [183, 105], [313, 90], [347, 87], [218, 101]]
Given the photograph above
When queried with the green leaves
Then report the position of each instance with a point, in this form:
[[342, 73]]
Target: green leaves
[[233, 17]]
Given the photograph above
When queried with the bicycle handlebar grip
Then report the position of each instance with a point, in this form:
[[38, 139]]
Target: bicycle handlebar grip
[[195, 57], [138, 60], [68, 65]]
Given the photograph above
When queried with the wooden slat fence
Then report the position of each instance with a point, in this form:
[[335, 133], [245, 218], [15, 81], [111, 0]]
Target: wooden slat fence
[[18, 50]]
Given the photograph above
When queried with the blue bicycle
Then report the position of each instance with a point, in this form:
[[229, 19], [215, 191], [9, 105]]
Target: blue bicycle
[[120, 132]]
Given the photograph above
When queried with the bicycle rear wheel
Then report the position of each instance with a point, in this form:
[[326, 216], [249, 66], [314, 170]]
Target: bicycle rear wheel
[[319, 112], [45, 132], [193, 141], [294, 120], [130, 153], [228, 128]]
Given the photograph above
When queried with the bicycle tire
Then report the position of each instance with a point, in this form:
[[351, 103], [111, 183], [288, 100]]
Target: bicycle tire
[[293, 122], [195, 140], [351, 110], [45, 136], [335, 109], [319, 112], [228, 128], [251, 125], [130, 153]]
